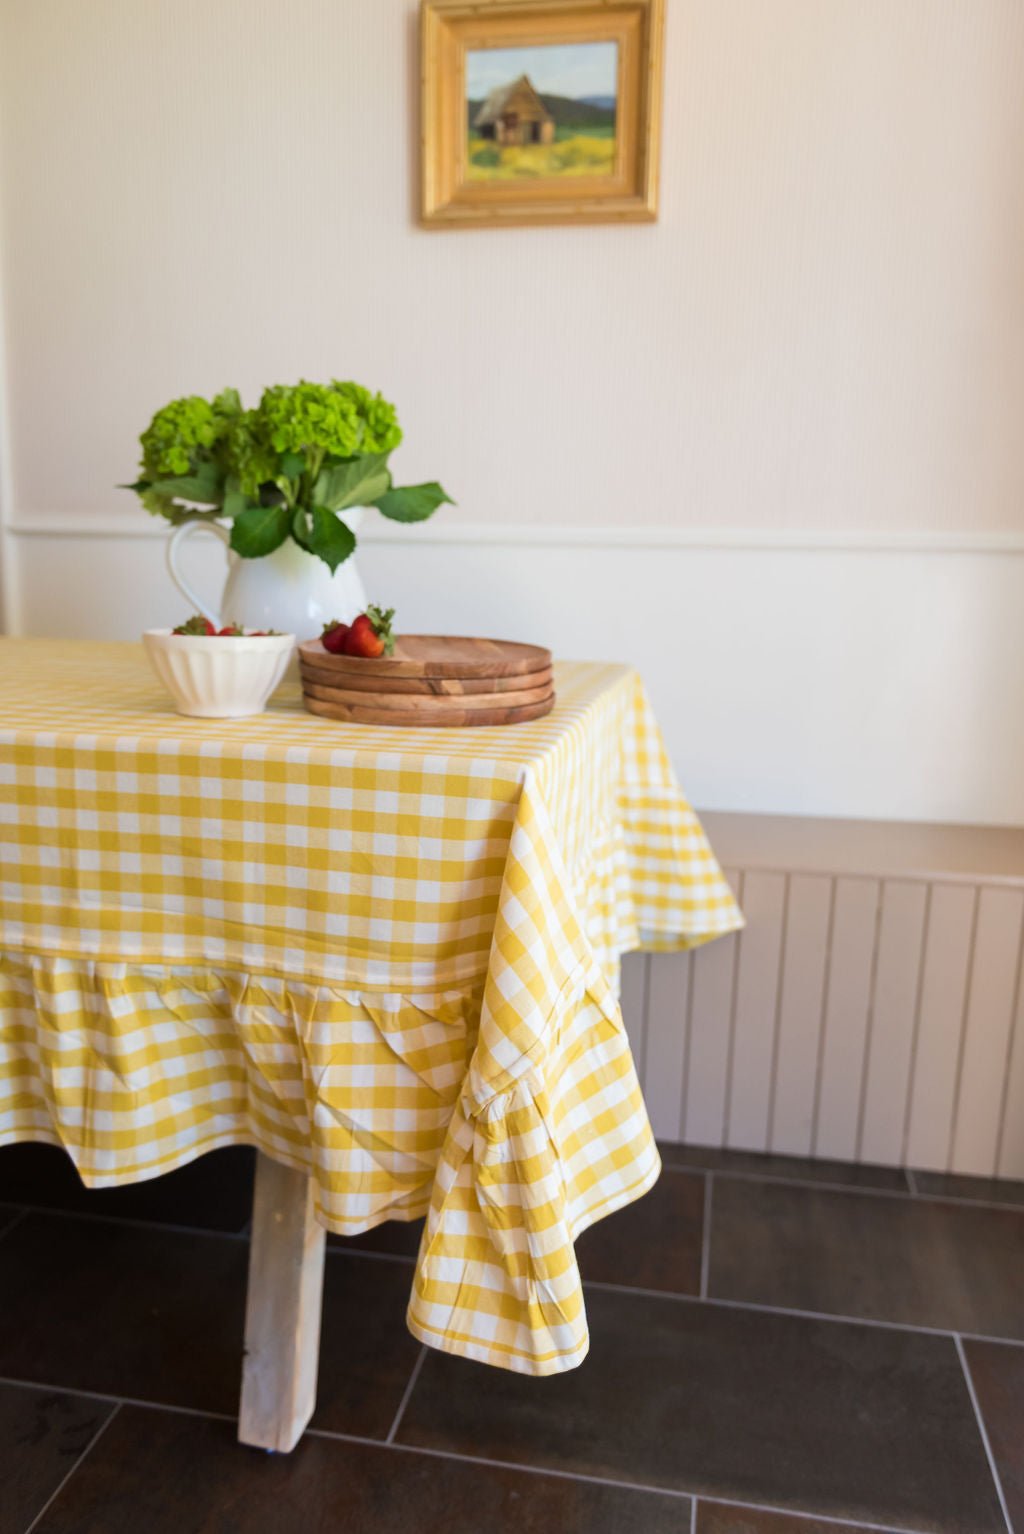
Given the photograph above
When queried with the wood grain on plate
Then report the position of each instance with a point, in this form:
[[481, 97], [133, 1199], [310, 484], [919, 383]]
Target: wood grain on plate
[[437, 655], [424, 704], [433, 686], [358, 713]]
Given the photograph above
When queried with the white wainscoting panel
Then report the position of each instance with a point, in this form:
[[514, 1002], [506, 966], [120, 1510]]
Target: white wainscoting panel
[[988, 1027], [801, 1014], [708, 1038], [847, 1009], [856, 1018], [764, 897], [945, 979], [668, 997], [883, 1081]]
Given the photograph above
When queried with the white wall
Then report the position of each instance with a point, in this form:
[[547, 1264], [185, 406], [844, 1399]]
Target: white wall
[[803, 387]]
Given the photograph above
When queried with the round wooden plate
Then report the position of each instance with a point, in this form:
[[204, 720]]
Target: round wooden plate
[[436, 655], [356, 713], [424, 704], [433, 686]]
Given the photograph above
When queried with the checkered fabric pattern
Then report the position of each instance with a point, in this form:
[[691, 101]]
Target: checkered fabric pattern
[[387, 958]]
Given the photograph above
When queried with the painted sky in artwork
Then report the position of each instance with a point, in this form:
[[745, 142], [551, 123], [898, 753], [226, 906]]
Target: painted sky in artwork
[[576, 69]]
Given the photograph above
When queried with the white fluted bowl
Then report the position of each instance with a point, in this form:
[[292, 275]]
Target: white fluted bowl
[[218, 678]]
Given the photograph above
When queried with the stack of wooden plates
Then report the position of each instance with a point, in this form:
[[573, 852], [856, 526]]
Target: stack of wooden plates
[[430, 679]]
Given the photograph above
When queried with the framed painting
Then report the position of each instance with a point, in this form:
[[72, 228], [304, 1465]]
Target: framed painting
[[540, 111]]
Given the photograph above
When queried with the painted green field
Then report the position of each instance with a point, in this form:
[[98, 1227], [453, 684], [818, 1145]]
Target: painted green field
[[574, 153]]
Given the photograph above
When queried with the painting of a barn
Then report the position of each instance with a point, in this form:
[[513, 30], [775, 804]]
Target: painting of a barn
[[541, 111], [515, 114]]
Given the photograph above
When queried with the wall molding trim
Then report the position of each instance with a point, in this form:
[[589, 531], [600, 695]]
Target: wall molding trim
[[518, 534]]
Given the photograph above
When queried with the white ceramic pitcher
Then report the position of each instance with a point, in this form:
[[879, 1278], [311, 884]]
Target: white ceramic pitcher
[[289, 590]]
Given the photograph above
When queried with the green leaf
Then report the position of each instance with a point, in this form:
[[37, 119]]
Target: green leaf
[[138, 486], [300, 528], [412, 503], [293, 465], [260, 530], [235, 503], [330, 538], [356, 482], [205, 486]]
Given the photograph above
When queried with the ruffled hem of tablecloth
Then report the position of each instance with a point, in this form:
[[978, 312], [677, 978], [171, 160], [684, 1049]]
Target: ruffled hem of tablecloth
[[137, 1073]]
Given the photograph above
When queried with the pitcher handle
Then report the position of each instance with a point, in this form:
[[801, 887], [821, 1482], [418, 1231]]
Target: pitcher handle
[[174, 543]]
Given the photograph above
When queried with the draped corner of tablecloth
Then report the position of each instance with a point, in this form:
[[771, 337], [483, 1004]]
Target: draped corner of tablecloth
[[523, 1172], [550, 1132], [491, 1086]]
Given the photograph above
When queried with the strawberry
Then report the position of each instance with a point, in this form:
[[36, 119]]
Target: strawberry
[[196, 625], [334, 636], [370, 634], [231, 631]]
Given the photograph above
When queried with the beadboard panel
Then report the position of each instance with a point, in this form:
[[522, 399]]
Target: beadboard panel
[[883, 1081], [758, 973], [708, 1037], [945, 981], [801, 1014], [988, 1021], [855, 1018], [845, 1023]]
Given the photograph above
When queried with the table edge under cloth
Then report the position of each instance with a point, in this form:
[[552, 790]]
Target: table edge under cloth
[[524, 1169]]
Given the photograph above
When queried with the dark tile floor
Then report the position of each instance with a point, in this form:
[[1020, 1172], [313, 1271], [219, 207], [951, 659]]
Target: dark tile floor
[[777, 1347]]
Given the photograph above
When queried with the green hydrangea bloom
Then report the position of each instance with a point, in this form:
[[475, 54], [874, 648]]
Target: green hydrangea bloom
[[310, 416], [178, 434], [250, 453], [381, 431], [339, 419]]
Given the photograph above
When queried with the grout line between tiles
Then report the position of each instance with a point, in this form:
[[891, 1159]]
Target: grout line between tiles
[[695, 1169], [795, 1181], [600, 1480], [504, 1464], [126, 1221], [18, 1217], [816, 1518], [470, 1459], [51, 1499], [406, 1394], [102, 1395], [801, 1517], [759, 1308], [705, 1239], [358, 1251], [983, 1430]]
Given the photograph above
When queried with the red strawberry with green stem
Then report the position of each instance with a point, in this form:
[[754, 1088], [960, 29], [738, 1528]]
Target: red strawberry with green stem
[[370, 634], [196, 625], [334, 636]]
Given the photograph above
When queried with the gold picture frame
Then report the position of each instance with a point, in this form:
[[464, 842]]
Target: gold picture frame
[[540, 111]]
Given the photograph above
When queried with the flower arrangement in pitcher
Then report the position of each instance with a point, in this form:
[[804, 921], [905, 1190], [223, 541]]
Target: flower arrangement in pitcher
[[286, 469]]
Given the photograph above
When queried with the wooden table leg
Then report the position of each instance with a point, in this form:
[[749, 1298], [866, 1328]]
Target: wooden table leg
[[282, 1316]]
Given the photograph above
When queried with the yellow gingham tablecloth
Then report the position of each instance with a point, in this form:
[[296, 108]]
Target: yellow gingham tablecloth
[[386, 957]]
